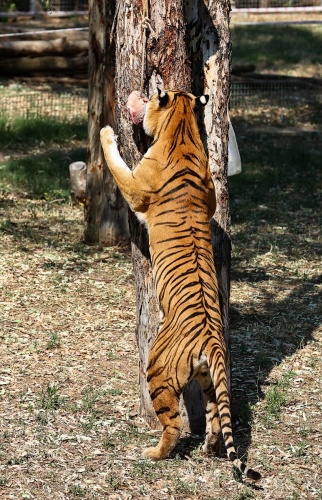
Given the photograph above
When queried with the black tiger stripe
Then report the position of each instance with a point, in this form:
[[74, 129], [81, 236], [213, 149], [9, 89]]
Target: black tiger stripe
[[171, 199], [157, 392], [163, 410]]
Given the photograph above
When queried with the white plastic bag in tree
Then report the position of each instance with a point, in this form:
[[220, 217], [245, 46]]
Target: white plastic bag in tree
[[234, 160]]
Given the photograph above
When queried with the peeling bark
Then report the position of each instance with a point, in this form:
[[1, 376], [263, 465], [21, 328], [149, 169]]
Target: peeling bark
[[43, 65], [130, 37]]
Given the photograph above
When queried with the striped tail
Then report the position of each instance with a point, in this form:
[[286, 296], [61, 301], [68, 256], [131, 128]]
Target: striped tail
[[247, 471], [219, 378]]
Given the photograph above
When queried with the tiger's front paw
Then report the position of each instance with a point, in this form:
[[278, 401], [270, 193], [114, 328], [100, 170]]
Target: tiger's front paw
[[107, 135]]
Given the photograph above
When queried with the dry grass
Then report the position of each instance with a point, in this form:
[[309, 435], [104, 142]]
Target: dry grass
[[69, 423], [69, 418]]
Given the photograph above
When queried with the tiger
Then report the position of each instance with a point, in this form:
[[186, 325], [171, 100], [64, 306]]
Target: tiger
[[172, 192]]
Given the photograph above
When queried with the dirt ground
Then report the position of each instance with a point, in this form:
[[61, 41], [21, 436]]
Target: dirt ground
[[69, 420]]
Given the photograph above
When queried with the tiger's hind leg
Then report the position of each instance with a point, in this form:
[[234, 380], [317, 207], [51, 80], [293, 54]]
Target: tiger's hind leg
[[213, 428], [166, 404]]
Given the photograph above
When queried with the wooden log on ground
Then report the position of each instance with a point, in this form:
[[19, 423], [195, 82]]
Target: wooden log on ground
[[242, 68], [34, 34], [19, 48], [45, 15], [80, 80], [46, 64]]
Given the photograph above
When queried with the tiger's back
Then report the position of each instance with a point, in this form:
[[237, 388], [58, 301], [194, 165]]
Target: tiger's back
[[172, 192], [178, 217]]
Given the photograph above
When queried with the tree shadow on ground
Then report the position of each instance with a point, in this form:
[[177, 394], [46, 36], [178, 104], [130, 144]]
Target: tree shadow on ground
[[277, 247], [262, 339]]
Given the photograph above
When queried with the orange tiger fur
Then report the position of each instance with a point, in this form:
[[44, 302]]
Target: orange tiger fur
[[171, 190]]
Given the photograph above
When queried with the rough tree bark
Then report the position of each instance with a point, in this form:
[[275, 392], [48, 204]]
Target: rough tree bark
[[187, 49], [106, 219]]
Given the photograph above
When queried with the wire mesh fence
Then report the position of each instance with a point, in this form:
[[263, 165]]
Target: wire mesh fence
[[19, 102], [239, 4], [49, 6], [52, 6], [274, 93]]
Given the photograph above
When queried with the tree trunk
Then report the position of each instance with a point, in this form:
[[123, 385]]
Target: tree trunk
[[106, 219], [178, 45]]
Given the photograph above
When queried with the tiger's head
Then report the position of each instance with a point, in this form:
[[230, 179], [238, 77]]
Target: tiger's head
[[161, 104]]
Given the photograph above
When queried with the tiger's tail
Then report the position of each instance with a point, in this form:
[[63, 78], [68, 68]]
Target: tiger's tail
[[219, 378]]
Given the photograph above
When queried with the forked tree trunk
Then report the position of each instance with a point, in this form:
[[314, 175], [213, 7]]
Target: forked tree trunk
[[183, 50], [106, 215]]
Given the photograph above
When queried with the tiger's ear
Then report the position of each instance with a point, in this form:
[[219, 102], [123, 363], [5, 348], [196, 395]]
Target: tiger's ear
[[163, 98], [202, 100]]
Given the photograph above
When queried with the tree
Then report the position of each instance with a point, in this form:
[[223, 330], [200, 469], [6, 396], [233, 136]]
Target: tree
[[186, 47], [106, 219]]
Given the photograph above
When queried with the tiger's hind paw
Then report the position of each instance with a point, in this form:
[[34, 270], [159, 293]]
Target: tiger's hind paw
[[212, 447], [153, 453]]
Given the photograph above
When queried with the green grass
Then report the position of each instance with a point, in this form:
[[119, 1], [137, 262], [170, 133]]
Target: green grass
[[43, 175], [33, 130], [276, 396], [3, 482], [77, 491], [54, 340], [90, 397], [50, 399], [277, 48], [275, 399], [42, 152]]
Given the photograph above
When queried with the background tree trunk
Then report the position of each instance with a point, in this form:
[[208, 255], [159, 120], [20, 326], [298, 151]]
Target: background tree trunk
[[106, 215], [168, 55]]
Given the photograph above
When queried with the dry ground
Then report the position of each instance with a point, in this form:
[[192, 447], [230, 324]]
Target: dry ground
[[69, 422]]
